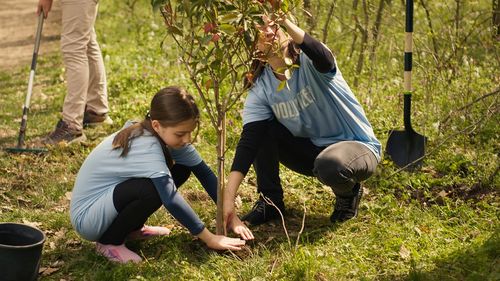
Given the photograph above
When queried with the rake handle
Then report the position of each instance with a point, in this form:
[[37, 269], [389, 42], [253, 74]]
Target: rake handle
[[26, 106]]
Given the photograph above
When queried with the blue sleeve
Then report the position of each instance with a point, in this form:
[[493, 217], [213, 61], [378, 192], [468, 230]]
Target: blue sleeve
[[187, 155], [176, 205], [256, 106], [207, 179]]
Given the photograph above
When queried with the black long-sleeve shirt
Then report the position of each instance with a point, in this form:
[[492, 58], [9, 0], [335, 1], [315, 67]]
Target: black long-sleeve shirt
[[253, 132]]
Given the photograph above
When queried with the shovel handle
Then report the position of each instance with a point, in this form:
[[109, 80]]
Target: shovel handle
[[408, 65], [408, 46], [407, 112]]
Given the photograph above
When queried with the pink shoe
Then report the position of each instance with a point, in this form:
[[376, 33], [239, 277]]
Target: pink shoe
[[117, 253], [147, 232]]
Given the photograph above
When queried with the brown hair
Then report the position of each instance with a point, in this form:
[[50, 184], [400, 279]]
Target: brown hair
[[170, 106]]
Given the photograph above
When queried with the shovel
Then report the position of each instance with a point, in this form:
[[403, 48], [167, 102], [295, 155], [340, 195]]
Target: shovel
[[407, 148], [21, 146]]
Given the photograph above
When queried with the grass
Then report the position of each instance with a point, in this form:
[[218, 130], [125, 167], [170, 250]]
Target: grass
[[440, 223]]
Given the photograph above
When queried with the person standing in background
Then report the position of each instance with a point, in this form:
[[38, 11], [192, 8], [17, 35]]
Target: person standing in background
[[86, 100]]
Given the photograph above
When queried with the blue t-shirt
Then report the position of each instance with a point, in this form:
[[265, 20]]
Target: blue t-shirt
[[91, 209], [318, 106]]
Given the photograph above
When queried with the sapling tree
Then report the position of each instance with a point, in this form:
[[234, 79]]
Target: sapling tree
[[216, 41]]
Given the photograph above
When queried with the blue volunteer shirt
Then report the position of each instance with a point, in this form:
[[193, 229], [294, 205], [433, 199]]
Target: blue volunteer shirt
[[91, 209], [319, 106]]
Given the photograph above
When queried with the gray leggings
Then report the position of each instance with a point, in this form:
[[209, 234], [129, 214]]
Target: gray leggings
[[340, 165]]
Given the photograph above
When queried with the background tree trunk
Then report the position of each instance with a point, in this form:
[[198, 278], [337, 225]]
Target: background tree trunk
[[328, 20], [496, 19], [363, 28]]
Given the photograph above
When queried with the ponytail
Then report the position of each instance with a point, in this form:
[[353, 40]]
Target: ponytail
[[169, 106], [123, 140]]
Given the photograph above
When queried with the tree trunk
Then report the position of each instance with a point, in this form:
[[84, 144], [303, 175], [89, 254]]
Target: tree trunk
[[435, 45], [364, 42], [376, 28], [221, 147], [310, 21], [327, 22], [496, 19]]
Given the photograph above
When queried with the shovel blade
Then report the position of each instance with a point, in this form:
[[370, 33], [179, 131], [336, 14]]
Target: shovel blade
[[405, 147]]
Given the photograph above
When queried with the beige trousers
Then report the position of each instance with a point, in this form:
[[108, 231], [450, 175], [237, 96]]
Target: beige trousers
[[85, 73]]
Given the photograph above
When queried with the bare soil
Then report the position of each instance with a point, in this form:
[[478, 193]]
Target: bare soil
[[18, 23]]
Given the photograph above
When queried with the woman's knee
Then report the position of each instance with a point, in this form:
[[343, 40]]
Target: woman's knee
[[331, 170]]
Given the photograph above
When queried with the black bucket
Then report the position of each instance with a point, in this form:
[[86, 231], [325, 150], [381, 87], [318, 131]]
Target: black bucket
[[20, 251]]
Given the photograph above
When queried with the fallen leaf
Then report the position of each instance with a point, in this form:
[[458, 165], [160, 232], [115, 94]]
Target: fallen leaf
[[269, 239], [238, 202], [33, 224], [57, 263], [68, 195], [419, 232], [46, 271], [404, 253]]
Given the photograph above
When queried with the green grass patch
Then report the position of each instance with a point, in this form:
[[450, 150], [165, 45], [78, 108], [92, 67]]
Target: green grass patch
[[440, 223]]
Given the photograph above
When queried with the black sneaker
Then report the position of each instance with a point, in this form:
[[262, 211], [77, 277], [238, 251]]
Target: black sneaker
[[263, 212], [63, 133], [347, 207]]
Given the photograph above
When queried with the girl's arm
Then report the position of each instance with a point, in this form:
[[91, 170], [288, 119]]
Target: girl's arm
[[183, 213], [320, 55], [207, 179], [176, 205]]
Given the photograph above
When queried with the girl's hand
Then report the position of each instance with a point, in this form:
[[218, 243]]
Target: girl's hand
[[220, 242]]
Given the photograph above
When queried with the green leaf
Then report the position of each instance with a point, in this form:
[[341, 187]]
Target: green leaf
[[230, 17], [227, 28], [281, 85]]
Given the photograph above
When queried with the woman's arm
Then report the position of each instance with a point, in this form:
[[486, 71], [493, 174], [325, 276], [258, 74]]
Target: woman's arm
[[248, 146], [320, 55]]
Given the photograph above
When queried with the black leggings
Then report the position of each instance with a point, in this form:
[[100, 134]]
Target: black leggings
[[136, 200], [340, 165]]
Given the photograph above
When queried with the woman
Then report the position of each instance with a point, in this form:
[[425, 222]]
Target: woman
[[314, 126]]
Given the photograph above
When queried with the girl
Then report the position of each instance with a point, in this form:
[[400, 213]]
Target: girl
[[315, 126], [129, 175]]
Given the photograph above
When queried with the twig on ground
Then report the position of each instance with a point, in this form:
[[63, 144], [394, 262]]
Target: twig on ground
[[270, 202], [302, 227], [492, 93]]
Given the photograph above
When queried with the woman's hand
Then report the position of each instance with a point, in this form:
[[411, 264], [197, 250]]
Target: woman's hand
[[220, 242], [229, 214], [234, 223], [238, 227]]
